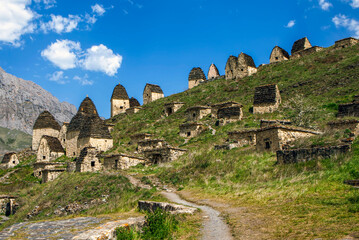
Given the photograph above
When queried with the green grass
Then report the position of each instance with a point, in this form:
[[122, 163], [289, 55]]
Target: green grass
[[13, 140]]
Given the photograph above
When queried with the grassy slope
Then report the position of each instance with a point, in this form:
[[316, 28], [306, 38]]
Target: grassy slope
[[13, 140], [305, 200]]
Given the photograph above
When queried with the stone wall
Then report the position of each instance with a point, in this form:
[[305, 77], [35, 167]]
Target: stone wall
[[122, 161], [119, 106], [305, 52], [346, 42], [133, 110], [308, 154], [8, 205], [62, 135], [162, 155], [71, 144], [229, 114], [278, 55], [216, 107], [9, 160], [266, 99], [196, 76], [140, 137], [39, 166], [189, 130], [88, 161], [101, 145], [49, 175], [352, 125], [197, 113], [270, 122], [150, 144], [45, 154], [213, 72], [149, 96], [38, 133], [168, 207], [243, 138], [171, 108]]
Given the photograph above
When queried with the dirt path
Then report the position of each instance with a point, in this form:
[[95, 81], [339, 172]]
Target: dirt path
[[214, 227]]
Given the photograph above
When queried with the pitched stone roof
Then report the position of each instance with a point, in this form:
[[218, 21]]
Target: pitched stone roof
[[195, 108], [134, 102], [87, 108], [46, 120], [7, 157], [213, 71], [246, 60], [94, 127], [288, 127], [265, 94], [300, 44], [119, 92], [227, 112], [53, 143], [196, 73], [281, 51], [154, 88]]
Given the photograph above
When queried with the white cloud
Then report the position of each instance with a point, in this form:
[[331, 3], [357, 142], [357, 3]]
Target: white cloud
[[15, 20], [48, 3], [83, 80], [324, 5], [98, 9], [290, 24], [355, 4], [58, 77], [100, 58], [61, 24], [62, 53], [351, 24]]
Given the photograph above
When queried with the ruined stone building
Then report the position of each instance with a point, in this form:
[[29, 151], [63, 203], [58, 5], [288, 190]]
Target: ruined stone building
[[197, 112], [273, 138], [213, 72], [227, 115], [62, 134], [140, 137], [346, 42], [351, 124], [134, 102], [151, 93], [217, 106], [45, 124], [122, 161], [300, 45], [196, 76], [49, 175], [88, 160], [151, 144], [9, 160], [39, 167], [243, 137], [133, 110], [303, 47], [266, 99], [135, 106], [240, 67], [86, 129], [49, 149], [278, 54], [191, 129], [119, 100], [8, 205], [172, 107], [349, 109], [164, 154]]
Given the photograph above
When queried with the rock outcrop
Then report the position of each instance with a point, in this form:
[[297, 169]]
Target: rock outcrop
[[22, 101]]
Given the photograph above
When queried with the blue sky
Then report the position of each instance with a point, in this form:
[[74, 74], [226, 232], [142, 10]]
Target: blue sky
[[79, 48]]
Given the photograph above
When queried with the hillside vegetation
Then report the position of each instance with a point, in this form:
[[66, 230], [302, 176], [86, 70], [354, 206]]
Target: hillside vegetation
[[13, 140], [295, 201]]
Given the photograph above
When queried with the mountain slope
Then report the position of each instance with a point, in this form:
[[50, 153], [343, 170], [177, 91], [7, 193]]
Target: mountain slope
[[13, 140], [22, 101]]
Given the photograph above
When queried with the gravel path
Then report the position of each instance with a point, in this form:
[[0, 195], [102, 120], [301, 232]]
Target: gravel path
[[214, 227]]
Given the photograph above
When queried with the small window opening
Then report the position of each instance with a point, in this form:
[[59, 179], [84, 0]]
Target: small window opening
[[194, 115], [267, 145], [116, 163], [188, 134], [74, 153], [92, 163], [242, 69], [121, 107], [343, 46], [13, 162], [43, 157], [276, 58]]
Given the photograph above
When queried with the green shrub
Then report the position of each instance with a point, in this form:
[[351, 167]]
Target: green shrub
[[127, 233], [160, 225]]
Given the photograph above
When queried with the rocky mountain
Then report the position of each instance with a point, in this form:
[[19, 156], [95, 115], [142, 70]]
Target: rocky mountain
[[22, 101]]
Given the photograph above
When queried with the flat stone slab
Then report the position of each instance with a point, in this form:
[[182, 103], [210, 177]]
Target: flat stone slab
[[61, 229], [169, 207]]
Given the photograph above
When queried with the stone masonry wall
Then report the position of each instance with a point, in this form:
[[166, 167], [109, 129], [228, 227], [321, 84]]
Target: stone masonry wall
[[119, 106], [308, 154], [38, 133]]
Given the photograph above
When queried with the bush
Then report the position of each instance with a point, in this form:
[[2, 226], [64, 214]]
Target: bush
[[126, 233], [160, 225]]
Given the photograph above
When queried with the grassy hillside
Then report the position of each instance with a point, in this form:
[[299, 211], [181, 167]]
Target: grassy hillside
[[300, 200], [13, 140]]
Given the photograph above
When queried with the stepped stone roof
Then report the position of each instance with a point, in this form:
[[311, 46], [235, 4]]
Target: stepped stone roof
[[46, 120], [53, 143], [87, 108], [154, 88], [7, 157], [94, 127], [281, 50], [134, 102], [301, 44], [119, 92], [245, 59], [196, 73], [265, 94]]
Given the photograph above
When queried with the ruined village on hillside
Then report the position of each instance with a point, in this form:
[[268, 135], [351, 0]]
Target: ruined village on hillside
[[87, 137]]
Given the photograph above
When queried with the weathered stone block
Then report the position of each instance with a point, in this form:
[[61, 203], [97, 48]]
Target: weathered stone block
[[266, 99]]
